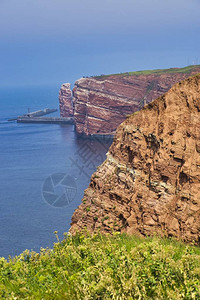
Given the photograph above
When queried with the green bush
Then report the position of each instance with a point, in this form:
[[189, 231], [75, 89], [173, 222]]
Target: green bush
[[104, 267]]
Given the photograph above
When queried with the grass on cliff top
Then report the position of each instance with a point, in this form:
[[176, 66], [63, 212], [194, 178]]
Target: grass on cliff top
[[186, 70], [104, 267]]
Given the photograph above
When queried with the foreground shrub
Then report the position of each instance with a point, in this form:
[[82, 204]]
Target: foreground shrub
[[104, 267]]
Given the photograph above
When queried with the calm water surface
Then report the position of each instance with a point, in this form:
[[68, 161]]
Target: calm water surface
[[33, 160]]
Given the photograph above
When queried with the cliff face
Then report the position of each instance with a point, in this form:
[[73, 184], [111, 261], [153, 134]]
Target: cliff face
[[102, 103], [150, 181], [65, 100]]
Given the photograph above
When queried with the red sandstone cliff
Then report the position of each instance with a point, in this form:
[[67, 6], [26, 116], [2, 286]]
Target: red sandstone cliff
[[102, 103], [65, 100], [150, 181]]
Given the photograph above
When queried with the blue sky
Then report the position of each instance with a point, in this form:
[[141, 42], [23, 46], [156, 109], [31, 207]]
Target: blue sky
[[47, 42]]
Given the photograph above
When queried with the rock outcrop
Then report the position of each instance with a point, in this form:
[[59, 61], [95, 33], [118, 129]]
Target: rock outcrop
[[65, 100], [150, 181], [102, 103]]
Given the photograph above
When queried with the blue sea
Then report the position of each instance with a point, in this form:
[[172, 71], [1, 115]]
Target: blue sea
[[44, 170]]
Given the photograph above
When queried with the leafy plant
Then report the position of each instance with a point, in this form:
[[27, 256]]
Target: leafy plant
[[104, 267]]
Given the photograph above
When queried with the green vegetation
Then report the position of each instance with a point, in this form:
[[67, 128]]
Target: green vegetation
[[104, 267], [187, 70], [104, 218]]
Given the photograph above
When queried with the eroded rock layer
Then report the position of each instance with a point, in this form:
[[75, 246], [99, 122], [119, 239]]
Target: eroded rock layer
[[102, 103], [65, 101], [150, 181]]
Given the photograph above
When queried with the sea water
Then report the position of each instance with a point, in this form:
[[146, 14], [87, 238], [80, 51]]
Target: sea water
[[44, 170]]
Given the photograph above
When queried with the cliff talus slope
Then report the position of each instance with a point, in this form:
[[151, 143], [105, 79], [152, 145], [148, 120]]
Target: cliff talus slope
[[150, 181]]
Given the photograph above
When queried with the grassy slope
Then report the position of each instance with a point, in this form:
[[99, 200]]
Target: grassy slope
[[188, 70], [100, 267]]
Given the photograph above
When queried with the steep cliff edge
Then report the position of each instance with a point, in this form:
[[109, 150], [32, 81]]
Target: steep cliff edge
[[101, 103], [150, 181], [65, 101]]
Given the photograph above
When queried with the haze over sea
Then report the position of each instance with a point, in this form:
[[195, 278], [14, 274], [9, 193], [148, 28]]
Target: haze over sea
[[29, 154]]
